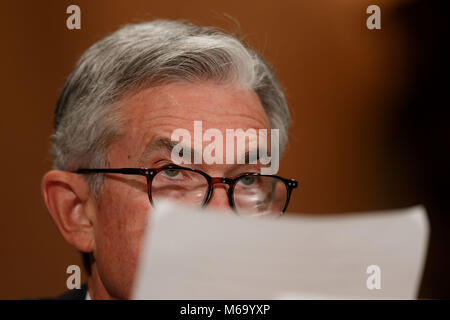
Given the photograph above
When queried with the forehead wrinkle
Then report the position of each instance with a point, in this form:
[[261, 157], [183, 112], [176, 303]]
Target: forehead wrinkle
[[149, 113], [220, 107], [166, 120], [260, 122], [159, 99]]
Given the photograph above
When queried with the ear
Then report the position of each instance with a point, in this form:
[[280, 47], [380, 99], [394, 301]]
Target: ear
[[72, 207]]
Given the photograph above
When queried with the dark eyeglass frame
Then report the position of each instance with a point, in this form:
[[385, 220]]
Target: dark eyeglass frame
[[150, 173]]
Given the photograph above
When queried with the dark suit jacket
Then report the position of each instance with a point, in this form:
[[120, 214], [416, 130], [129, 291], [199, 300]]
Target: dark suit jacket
[[74, 294]]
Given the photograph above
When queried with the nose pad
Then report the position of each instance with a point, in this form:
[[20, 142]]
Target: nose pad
[[219, 199]]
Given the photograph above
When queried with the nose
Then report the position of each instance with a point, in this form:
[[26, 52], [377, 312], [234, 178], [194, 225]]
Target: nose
[[219, 199]]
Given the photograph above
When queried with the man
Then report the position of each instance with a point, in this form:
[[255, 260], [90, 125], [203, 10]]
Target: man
[[118, 109]]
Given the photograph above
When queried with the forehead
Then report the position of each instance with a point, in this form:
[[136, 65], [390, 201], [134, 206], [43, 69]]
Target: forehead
[[157, 111], [214, 104]]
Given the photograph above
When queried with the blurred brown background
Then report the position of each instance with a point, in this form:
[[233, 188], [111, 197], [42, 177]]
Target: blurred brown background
[[348, 89]]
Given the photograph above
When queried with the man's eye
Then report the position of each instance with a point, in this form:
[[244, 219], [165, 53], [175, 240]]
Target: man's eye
[[172, 173], [248, 181]]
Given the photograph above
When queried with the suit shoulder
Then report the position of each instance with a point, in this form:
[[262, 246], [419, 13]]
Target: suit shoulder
[[74, 294]]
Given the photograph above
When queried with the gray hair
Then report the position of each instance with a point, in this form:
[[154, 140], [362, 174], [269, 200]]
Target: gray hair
[[140, 55]]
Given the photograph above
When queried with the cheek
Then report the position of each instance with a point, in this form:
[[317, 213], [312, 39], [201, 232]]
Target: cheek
[[122, 211], [121, 223]]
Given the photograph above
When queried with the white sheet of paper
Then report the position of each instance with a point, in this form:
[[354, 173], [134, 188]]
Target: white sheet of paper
[[189, 254]]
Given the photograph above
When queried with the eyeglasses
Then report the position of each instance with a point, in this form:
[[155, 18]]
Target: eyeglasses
[[248, 194]]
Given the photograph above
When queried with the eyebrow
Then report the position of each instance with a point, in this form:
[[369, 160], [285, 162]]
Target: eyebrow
[[258, 155], [160, 144]]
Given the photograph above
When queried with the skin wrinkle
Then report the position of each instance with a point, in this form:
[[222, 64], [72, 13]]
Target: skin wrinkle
[[165, 146], [165, 122], [223, 110]]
